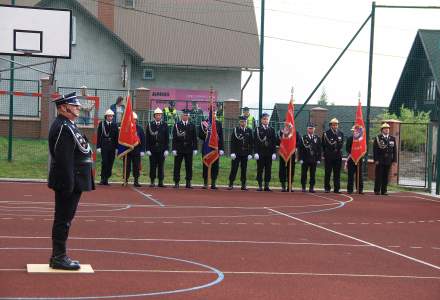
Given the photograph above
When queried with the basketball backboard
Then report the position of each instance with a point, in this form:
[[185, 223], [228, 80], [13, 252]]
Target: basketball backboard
[[35, 31]]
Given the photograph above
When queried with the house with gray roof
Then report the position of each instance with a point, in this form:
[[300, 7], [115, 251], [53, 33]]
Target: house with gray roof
[[419, 83], [178, 45]]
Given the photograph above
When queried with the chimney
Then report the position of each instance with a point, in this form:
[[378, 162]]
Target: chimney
[[106, 13]]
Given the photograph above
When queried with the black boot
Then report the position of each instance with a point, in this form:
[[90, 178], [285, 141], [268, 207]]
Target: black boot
[[205, 184], [161, 185], [188, 184], [136, 182], [152, 183], [243, 186], [311, 189], [283, 187], [231, 185], [176, 185], [213, 186], [266, 187], [63, 262], [260, 186]]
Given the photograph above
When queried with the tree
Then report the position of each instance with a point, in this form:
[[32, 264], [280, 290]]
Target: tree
[[323, 99]]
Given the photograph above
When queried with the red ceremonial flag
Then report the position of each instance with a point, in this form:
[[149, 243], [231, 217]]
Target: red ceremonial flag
[[359, 146], [288, 136], [210, 145], [128, 138]]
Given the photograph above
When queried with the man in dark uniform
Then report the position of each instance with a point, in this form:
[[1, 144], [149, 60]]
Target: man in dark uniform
[[310, 156], [157, 137], [215, 166], [265, 143], [184, 147], [385, 154], [283, 171], [332, 142], [70, 174], [352, 168], [106, 143], [242, 144], [134, 156]]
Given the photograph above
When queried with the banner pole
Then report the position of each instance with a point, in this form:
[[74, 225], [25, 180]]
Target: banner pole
[[290, 175], [357, 177], [209, 176], [124, 174]]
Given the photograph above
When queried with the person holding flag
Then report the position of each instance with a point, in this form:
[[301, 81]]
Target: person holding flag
[[211, 133], [288, 139], [332, 142], [356, 148], [265, 151], [131, 144]]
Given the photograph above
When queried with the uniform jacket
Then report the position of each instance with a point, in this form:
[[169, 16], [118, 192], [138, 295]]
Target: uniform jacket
[[298, 142], [202, 134], [157, 137], [71, 161], [332, 143], [265, 141], [184, 137], [310, 148], [107, 136], [141, 146], [385, 150], [242, 141]]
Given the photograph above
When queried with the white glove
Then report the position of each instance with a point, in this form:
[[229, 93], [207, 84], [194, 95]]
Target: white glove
[[174, 153], [249, 157], [301, 161], [256, 156], [194, 152], [149, 153], [142, 154], [98, 150], [165, 153], [318, 162], [221, 152], [233, 156], [274, 156], [116, 151]]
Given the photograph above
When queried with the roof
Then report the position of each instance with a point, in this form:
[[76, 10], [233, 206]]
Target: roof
[[345, 114], [157, 30], [423, 62]]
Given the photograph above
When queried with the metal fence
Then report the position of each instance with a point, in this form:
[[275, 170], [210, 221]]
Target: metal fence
[[23, 106]]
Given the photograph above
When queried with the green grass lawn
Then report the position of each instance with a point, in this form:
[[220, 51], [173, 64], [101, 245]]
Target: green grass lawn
[[30, 161]]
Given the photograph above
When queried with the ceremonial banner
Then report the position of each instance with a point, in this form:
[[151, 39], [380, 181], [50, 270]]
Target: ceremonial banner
[[288, 136], [128, 138], [359, 146]]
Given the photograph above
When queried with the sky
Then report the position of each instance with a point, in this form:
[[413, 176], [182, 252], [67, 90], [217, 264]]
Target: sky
[[321, 29]]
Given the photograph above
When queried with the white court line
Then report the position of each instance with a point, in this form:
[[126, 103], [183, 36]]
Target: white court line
[[191, 241], [254, 273], [358, 240], [148, 197]]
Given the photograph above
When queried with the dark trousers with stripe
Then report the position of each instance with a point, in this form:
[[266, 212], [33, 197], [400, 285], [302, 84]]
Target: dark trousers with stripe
[[352, 174], [332, 166], [157, 162], [305, 167], [242, 162], [264, 164], [188, 166], [381, 178]]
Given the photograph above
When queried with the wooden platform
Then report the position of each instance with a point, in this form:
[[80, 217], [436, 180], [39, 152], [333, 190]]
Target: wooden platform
[[45, 269]]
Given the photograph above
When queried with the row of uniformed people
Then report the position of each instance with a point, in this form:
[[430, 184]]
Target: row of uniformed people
[[259, 144]]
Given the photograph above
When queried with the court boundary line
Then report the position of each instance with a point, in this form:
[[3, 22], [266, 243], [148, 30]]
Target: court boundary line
[[358, 240], [149, 197]]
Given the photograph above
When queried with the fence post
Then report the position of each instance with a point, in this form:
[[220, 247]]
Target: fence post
[[47, 107], [429, 158]]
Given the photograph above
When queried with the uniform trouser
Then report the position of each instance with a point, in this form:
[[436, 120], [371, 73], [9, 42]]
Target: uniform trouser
[[381, 178], [107, 159], [157, 162], [305, 167], [214, 170], [65, 208], [352, 173], [332, 165], [264, 163], [284, 170], [135, 160], [188, 166], [241, 160]]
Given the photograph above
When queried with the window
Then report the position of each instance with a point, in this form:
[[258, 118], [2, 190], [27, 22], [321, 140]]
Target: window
[[73, 30], [129, 3], [148, 74], [431, 90]]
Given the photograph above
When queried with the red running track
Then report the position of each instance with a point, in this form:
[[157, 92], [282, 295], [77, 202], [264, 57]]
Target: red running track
[[197, 244]]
